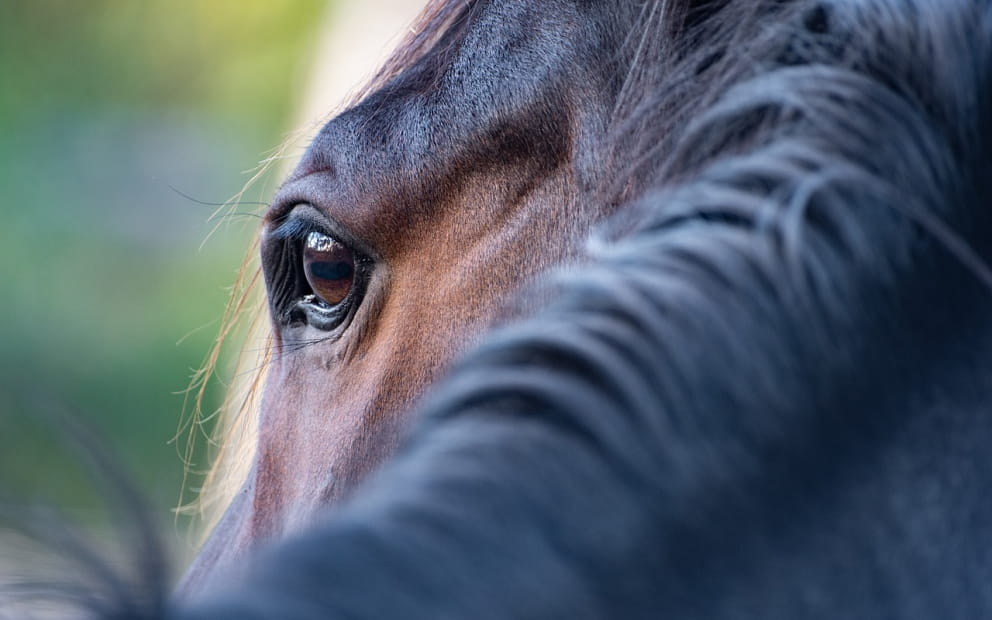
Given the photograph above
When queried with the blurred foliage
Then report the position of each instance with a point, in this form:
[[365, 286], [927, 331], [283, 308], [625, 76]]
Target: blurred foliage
[[109, 109], [230, 58]]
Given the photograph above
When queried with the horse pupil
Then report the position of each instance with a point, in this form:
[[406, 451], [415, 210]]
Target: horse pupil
[[331, 270]]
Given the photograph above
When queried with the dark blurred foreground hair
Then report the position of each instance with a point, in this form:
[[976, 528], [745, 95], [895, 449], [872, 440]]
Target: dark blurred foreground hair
[[766, 396]]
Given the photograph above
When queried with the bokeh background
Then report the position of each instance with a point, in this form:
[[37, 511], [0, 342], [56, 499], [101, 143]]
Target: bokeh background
[[123, 125]]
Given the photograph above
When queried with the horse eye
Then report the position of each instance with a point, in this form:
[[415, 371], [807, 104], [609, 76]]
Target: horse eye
[[329, 267]]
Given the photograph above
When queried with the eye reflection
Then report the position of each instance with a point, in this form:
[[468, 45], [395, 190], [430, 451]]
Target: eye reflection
[[329, 267]]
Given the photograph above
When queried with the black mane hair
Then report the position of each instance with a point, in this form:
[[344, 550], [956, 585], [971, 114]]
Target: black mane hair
[[762, 397]]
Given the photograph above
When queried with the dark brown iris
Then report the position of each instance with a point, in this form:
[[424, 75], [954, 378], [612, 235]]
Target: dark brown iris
[[329, 267]]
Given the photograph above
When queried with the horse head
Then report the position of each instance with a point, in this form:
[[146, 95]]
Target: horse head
[[414, 222]]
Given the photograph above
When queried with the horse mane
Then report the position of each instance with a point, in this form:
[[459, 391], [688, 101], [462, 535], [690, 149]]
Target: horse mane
[[792, 173]]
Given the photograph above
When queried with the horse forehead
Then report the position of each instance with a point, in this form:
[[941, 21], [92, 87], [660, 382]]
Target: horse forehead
[[509, 58], [498, 109]]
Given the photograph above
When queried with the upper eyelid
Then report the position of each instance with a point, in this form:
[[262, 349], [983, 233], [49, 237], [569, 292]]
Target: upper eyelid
[[305, 218]]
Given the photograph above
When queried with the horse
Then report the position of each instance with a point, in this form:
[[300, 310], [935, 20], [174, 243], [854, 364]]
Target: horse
[[753, 386]]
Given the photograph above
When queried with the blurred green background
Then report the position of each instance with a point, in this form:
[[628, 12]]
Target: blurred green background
[[108, 110]]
